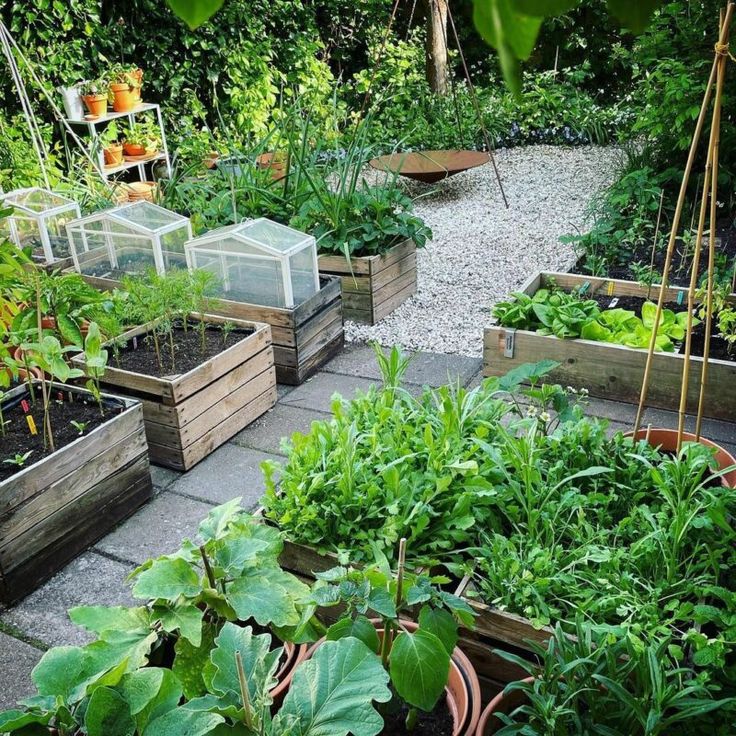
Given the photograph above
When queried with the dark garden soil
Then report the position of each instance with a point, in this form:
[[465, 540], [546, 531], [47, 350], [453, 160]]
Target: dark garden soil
[[65, 408], [632, 303], [139, 354], [679, 273], [437, 723]]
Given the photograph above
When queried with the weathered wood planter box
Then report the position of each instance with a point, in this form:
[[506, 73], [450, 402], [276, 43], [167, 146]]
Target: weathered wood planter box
[[54, 509], [305, 337], [373, 286], [187, 416], [610, 371]]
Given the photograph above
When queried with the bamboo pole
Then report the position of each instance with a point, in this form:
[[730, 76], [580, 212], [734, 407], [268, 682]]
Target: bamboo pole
[[676, 220], [654, 244], [716, 135]]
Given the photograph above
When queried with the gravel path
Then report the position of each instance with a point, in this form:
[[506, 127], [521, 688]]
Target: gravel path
[[482, 251]]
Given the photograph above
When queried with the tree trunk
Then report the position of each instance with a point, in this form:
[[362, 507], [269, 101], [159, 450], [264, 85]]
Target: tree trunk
[[437, 74]]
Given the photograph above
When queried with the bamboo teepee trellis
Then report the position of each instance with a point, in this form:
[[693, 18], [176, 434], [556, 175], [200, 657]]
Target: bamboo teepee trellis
[[710, 190]]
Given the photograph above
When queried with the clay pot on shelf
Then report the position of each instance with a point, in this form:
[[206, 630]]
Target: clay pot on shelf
[[211, 159], [503, 703], [123, 97], [134, 149], [666, 439], [113, 154], [463, 687], [96, 104], [276, 163]]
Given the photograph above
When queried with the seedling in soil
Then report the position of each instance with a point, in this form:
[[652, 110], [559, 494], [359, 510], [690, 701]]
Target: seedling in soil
[[18, 459], [727, 328], [79, 426]]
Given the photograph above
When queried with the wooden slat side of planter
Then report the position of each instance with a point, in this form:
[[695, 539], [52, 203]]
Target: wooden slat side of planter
[[611, 371], [305, 561], [78, 526], [54, 509], [373, 286]]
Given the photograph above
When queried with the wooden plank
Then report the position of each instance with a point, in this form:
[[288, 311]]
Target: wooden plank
[[285, 357], [393, 288], [393, 272], [356, 302], [396, 254], [390, 304], [303, 560], [330, 290], [77, 526], [35, 478], [70, 487], [325, 336], [338, 265], [187, 458], [214, 415], [296, 376]]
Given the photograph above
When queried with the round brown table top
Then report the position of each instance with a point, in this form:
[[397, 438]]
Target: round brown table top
[[430, 166]]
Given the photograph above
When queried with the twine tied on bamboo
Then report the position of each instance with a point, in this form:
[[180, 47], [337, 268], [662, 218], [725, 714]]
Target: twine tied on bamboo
[[723, 49]]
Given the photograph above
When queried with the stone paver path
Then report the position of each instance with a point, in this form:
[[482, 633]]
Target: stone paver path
[[182, 500]]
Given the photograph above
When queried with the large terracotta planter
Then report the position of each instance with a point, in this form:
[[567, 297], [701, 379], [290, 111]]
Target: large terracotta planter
[[133, 149], [462, 691], [504, 702], [295, 655], [666, 439]]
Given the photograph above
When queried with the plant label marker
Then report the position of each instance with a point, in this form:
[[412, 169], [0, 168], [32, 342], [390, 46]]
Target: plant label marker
[[610, 288], [680, 297], [25, 406], [31, 424], [613, 303], [508, 343]]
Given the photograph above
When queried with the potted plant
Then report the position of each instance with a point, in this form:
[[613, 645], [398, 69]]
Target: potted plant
[[419, 657], [123, 81], [601, 681], [142, 138], [112, 146], [94, 96]]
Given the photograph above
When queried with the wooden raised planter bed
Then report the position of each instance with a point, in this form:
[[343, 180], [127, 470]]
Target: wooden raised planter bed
[[305, 337], [609, 371], [187, 416], [54, 509], [373, 286]]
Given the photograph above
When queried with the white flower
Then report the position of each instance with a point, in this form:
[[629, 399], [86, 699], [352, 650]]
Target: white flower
[[545, 416], [531, 411]]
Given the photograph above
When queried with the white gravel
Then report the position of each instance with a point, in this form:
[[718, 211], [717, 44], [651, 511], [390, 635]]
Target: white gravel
[[482, 251]]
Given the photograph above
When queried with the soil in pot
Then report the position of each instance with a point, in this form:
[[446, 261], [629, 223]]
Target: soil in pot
[[64, 408], [437, 723], [138, 355]]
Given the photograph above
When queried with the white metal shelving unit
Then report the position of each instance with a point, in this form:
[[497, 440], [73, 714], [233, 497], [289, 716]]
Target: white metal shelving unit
[[92, 130]]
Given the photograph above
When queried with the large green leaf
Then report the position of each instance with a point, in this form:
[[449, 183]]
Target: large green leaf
[[259, 663], [332, 693], [195, 12], [108, 714], [359, 627], [439, 622], [167, 578], [190, 661], [419, 666], [150, 692], [182, 722], [259, 598], [101, 618], [542, 8], [59, 671], [182, 617], [14, 720], [216, 522]]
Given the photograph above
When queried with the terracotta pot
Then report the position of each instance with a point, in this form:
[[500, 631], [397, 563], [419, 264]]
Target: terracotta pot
[[210, 160], [295, 655], [666, 439], [503, 703], [276, 162], [113, 154], [123, 99], [133, 149], [463, 698], [22, 372], [96, 104]]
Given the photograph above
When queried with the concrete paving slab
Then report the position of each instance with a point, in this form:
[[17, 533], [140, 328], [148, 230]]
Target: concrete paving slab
[[17, 659], [317, 392], [267, 432], [91, 579], [158, 528], [163, 477], [228, 472], [430, 369]]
